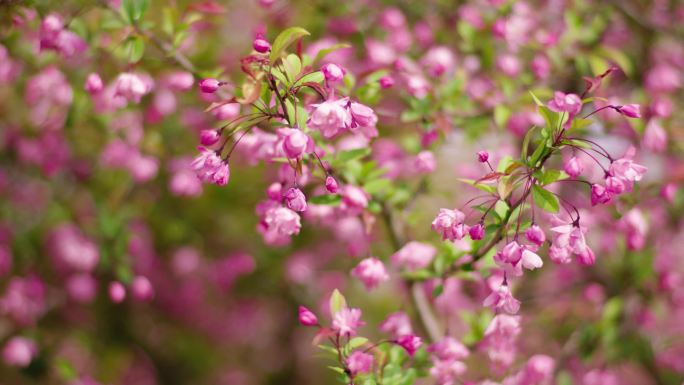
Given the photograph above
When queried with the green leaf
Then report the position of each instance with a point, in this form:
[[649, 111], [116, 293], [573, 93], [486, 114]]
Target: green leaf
[[337, 302], [481, 186], [293, 66], [134, 10], [284, 40], [378, 186], [544, 199], [135, 48], [536, 99], [313, 77], [501, 114], [336, 369], [501, 209], [328, 199], [356, 342], [526, 143], [322, 53]]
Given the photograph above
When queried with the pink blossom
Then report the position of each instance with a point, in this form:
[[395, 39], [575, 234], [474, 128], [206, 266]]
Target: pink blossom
[[573, 167], [439, 60], [359, 362], [210, 168], [600, 194], [538, 370], [414, 255], [448, 348], [362, 116], [54, 35], [24, 300], [294, 142], [283, 221], [307, 317], [93, 83], [655, 136], [626, 169], [82, 288], [512, 252], [500, 337], [184, 181], [117, 292], [502, 299], [330, 117], [570, 236], [227, 111], [615, 186], [346, 321], [142, 289], [132, 86], [179, 80], [446, 372], [530, 260], [541, 67], [397, 324], [19, 352], [72, 249], [386, 82], [354, 198], [371, 272], [449, 224], [509, 65], [562, 102], [410, 343], [482, 156], [425, 162]]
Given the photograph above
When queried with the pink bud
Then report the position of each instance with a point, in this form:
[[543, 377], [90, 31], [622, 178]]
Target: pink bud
[[142, 288], [261, 45], [410, 343], [19, 352], [209, 85], [669, 191], [573, 167], [275, 191], [117, 292], [295, 199], [307, 317], [333, 73], [386, 82], [630, 110], [93, 83], [599, 194], [535, 235], [615, 185], [209, 137], [477, 232], [482, 156], [331, 184]]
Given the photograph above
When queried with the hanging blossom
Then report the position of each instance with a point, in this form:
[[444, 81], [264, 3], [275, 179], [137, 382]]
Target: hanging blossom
[[346, 321], [371, 272], [447, 357], [449, 224], [210, 168]]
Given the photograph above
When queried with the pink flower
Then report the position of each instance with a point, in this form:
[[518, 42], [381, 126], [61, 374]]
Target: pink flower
[[354, 198], [477, 232], [93, 83], [482, 156], [359, 362], [560, 255], [535, 235], [333, 73], [117, 292], [655, 136], [500, 337], [184, 181], [530, 260], [512, 252], [346, 321], [449, 224], [371, 272], [615, 186], [294, 142], [331, 184], [283, 221], [425, 162], [414, 255], [538, 370], [570, 236], [330, 117], [82, 288], [573, 167], [397, 324], [562, 102], [446, 372], [19, 352], [629, 110], [295, 199], [307, 317], [448, 348], [386, 82], [439, 60], [132, 86], [586, 257], [210, 168], [72, 249], [362, 116], [600, 194], [24, 300], [261, 45], [209, 85], [410, 343], [625, 169], [502, 299]]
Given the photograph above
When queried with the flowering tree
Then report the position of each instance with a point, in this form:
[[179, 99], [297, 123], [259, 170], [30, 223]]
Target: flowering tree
[[489, 183]]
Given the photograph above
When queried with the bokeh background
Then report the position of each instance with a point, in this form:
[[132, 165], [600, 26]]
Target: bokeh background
[[219, 305]]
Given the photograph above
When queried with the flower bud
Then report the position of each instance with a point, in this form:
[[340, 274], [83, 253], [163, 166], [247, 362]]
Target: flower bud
[[410, 343], [535, 235], [209, 137], [307, 317], [482, 156], [142, 288], [209, 85], [386, 82], [261, 45], [573, 167], [630, 110], [295, 199], [333, 73], [331, 184], [477, 232]]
